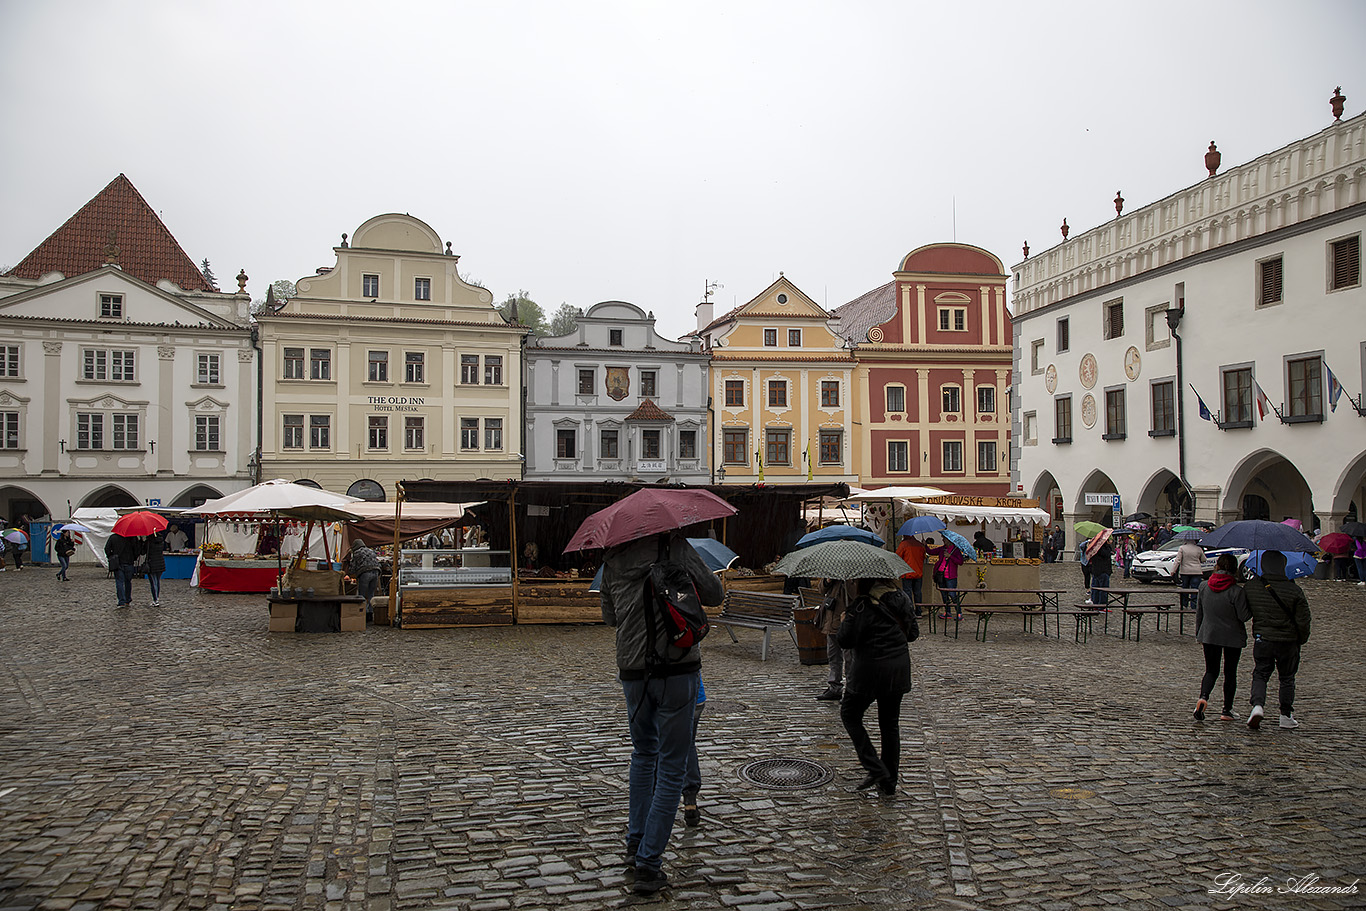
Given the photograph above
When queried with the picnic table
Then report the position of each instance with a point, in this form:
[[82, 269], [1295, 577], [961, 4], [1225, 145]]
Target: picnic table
[[1027, 602], [1133, 614]]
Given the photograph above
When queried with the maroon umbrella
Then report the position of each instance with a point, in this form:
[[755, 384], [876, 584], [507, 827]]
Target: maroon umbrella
[[648, 511], [1337, 543], [139, 524]]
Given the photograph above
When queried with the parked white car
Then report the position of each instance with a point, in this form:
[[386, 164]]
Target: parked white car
[[1156, 565]]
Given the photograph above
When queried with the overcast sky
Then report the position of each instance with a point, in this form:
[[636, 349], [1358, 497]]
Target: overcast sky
[[593, 150]]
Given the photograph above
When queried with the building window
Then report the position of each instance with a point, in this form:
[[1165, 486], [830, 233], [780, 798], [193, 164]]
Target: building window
[[121, 366], [953, 319], [777, 393], [1238, 396], [493, 433], [293, 432], [1164, 411], [776, 447], [206, 433], [649, 444], [379, 367], [206, 369], [1346, 263], [687, 444], [614, 338], [794, 338], [953, 455], [114, 366], [1116, 419], [1064, 335], [1036, 357], [9, 430], [294, 363], [369, 285], [896, 398], [649, 383], [1031, 428], [735, 393], [607, 445], [831, 451], [735, 447], [1114, 319], [469, 370], [1062, 419], [586, 382], [830, 393], [770, 338], [1305, 377], [379, 432], [320, 363], [566, 444], [422, 289], [898, 455], [986, 399], [414, 432], [469, 433], [111, 306], [1269, 281], [949, 399], [319, 431], [414, 367], [493, 370], [986, 455], [89, 431], [9, 360], [124, 431]]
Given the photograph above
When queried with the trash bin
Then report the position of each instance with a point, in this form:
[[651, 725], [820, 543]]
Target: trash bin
[[810, 640]]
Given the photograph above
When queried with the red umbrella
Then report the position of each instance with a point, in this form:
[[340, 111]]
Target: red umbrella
[[139, 524], [648, 511], [1101, 537], [1337, 543]]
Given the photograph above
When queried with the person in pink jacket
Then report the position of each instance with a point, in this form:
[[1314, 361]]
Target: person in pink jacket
[[946, 576]]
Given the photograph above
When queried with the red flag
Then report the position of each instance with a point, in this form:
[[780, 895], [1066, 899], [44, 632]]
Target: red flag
[[1263, 403]]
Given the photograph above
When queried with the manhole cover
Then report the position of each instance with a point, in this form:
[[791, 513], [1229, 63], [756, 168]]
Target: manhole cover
[[1072, 793], [786, 774]]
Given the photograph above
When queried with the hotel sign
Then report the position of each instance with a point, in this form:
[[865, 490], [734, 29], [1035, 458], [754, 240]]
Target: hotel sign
[[395, 402]]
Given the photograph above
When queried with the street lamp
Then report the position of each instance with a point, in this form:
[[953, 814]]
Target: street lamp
[[721, 474]]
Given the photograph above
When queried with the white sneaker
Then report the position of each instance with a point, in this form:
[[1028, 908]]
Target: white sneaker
[[1254, 720], [156, 604], [1087, 601], [1288, 721], [1361, 585]]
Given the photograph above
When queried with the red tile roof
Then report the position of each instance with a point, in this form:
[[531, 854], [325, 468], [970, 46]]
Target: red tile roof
[[649, 411], [146, 249]]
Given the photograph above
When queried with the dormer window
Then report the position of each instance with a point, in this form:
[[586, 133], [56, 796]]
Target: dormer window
[[369, 285], [614, 337], [422, 289], [111, 306]]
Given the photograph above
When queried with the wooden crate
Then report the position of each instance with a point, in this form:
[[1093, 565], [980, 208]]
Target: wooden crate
[[557, 601], [437, 608]]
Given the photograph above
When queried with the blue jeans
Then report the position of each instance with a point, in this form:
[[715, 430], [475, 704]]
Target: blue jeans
[[948, 595], [661, 714], [123, 584], [154, 583], [914, 589], [65, 561], [1099, 581], [1189, 582], [1361, 568], [692, 775]]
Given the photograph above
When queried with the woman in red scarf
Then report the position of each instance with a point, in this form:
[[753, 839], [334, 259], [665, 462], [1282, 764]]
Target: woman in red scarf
[[1221, 615]]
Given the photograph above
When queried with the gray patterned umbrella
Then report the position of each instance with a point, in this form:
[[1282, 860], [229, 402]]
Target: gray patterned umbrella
[[842, 560]]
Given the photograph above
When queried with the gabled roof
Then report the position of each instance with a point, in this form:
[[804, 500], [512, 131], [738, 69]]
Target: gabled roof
[[649, 411], [866, 311], [146, 249]]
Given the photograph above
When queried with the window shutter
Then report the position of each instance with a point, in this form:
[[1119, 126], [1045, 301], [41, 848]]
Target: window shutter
[[1347, 263], [1271, 281]]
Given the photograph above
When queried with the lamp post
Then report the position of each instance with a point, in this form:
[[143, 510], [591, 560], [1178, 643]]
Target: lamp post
[[1174, 316]]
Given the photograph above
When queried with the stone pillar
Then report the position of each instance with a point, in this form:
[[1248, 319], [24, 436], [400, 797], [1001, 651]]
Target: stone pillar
[[1069, 526], [1331, 521], [1207, 502], [51, 420], [172, 443]]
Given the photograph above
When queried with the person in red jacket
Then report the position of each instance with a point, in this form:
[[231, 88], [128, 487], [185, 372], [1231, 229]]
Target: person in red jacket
[[913, 552]]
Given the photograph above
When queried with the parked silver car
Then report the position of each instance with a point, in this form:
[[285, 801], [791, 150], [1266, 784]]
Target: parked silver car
[[1157, 565]]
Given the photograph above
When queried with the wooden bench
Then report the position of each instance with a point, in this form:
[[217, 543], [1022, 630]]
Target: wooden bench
[[1083, 614], [983, 612], [759, 610], [1133, 617]]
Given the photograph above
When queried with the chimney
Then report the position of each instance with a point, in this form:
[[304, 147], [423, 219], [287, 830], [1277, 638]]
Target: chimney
[[704, 317]]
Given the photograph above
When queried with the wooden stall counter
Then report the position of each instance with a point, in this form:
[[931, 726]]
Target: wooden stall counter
[[557, 600], [316, 614]]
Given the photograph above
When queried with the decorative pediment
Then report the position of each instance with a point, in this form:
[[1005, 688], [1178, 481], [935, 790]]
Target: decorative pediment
[[207, 404], [107, 401], [8, 398]]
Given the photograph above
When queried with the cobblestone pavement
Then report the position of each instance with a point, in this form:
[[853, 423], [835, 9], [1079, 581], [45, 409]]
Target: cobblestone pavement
[[183, 757]]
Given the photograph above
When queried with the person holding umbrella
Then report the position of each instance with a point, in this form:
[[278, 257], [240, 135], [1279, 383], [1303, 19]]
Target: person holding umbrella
[[155, 551], [1190, 564], [65, 547], [1280, 626], [1221, 613], [950, 557], [122, 555], [1100, 558], [17, 541]]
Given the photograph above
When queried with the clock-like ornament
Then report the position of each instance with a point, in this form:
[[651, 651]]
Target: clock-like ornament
[[1088, 411], [1088, 370], [1050, 379], [1133, 363]]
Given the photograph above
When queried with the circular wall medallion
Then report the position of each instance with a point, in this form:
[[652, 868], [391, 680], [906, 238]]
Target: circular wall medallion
[[782, 298], [1088, 370], [875, 334], [1050, 379], [1133, 363], [1088, 411]]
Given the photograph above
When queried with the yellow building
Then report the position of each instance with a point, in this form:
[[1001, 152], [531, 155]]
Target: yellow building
[[388, 366], [781, 391]]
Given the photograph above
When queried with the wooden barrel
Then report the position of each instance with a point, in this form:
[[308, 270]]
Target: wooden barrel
[[810, 640]]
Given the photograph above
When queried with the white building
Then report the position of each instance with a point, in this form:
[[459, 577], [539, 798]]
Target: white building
[[1260, 268], [615, 401], [125, 378]]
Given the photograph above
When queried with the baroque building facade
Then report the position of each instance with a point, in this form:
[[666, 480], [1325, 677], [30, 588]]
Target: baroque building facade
[[389, 366], [615, 401], [126, 377]]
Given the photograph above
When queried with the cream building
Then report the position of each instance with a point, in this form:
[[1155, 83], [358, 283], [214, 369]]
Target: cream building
[[388, 366]]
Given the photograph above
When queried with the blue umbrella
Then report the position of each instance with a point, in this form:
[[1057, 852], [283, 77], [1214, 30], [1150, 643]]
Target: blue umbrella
[[839, 533], [1258, 534], [1297, 565], [72, 527], [716, 555], [921, 524], [961, 543]]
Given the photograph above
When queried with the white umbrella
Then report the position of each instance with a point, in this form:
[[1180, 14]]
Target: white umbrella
[[274, 496]]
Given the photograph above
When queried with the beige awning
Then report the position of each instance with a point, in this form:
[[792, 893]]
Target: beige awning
[[995, 516], [411, 510]]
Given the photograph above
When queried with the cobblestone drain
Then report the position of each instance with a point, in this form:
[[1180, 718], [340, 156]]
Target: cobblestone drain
[[185, 758]]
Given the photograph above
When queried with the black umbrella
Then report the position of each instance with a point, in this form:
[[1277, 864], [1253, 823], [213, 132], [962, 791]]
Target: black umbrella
[[1258, 534], [1355, 529]]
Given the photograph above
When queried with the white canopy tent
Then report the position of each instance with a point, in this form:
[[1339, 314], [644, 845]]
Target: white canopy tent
[[996, 516]]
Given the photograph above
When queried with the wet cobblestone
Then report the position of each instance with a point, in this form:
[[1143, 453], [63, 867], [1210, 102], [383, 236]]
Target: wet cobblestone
[[183, 757]]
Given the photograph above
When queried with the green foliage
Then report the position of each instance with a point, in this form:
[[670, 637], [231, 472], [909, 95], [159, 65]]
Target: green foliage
[[283, 289], [565, 320], [529, 313], [207, 270]]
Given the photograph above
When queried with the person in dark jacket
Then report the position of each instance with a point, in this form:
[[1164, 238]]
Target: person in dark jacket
[[1102, 564], [122, 555], [66, 546], [876, 628], [1280, 625], [1221, 613], [155, 549], [659, 704]]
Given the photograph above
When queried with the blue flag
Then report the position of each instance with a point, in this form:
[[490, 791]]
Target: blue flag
[[1334, 389], [1205, 413]]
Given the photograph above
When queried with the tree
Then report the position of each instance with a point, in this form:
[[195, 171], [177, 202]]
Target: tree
[[565, 320], [208, 274], [283, 289], [529, 313]]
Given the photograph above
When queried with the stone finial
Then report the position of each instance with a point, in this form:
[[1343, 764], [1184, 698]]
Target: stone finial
[[1064, 229], [111, 249], [1119, 203], [344, 243], [1212, 159], [242, 281], [1338, 101], [1026, 249]]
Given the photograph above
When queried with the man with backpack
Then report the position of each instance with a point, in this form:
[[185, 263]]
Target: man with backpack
[[659, 680], [1280, 625]]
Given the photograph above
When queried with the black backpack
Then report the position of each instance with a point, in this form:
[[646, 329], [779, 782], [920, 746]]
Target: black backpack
[[671, 596]]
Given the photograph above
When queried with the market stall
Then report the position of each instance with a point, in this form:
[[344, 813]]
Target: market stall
[[1013, 522]]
